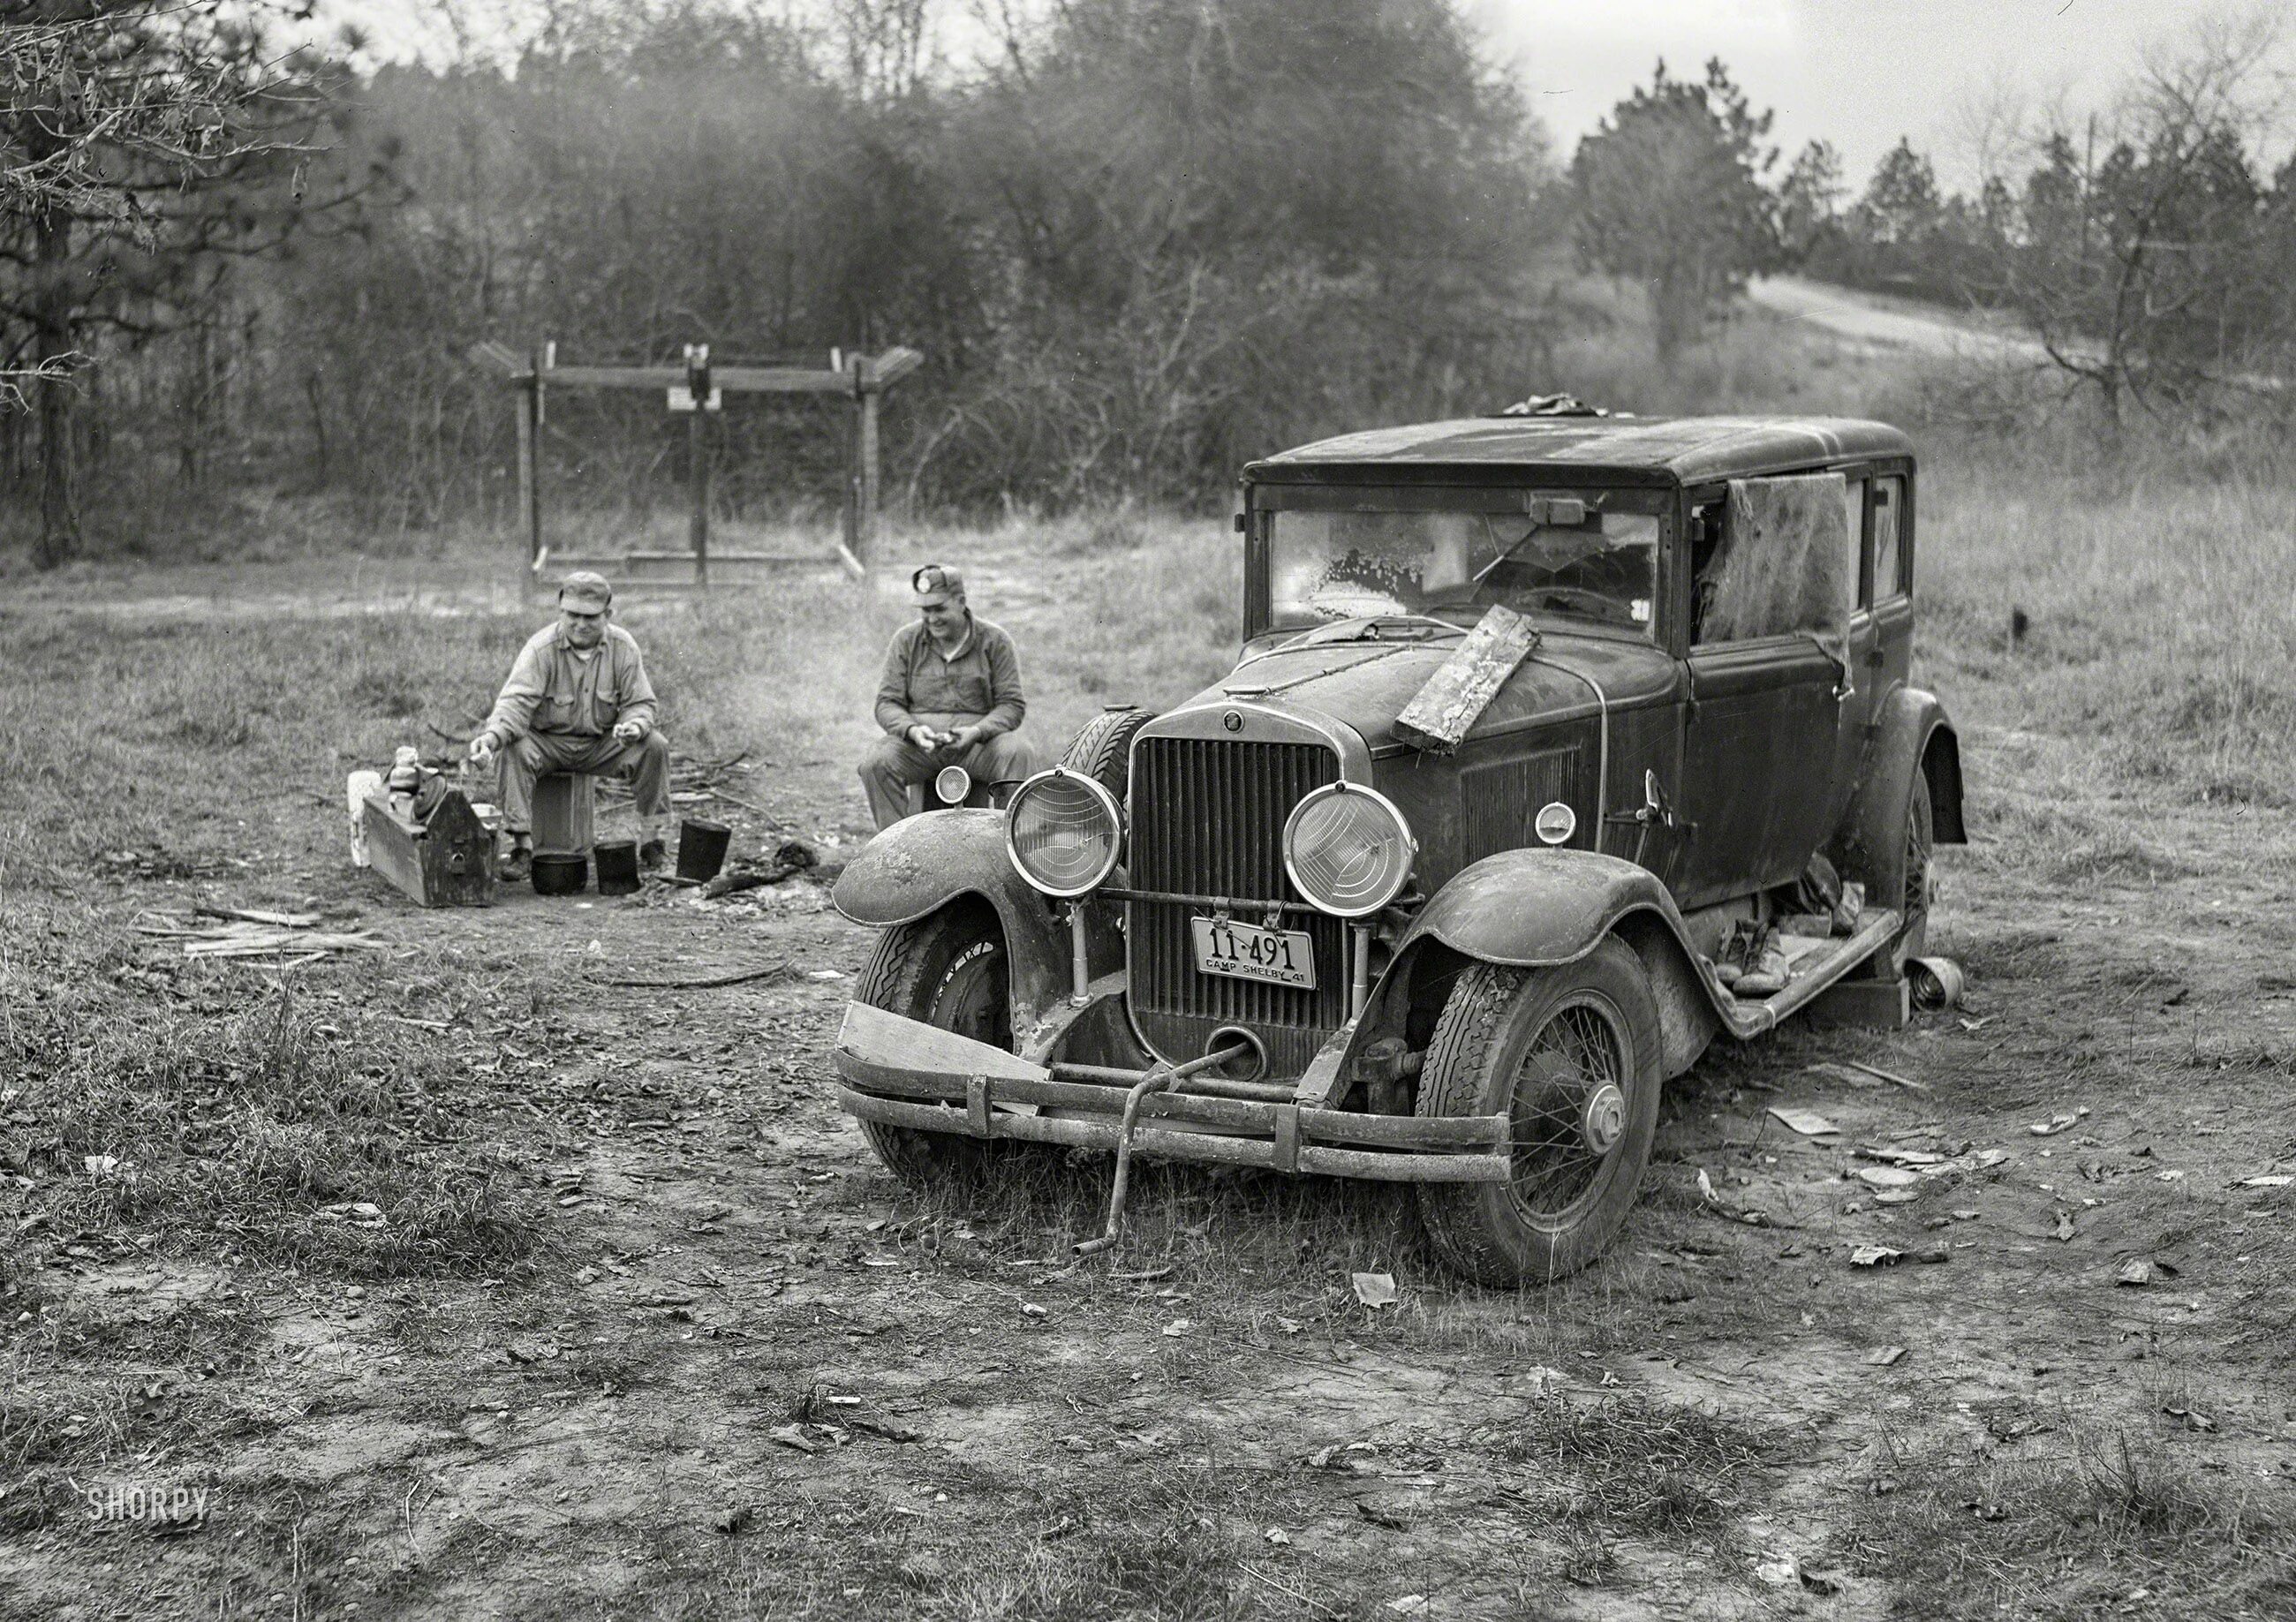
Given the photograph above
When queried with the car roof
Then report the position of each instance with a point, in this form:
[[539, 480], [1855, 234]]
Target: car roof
[[1629, 450]]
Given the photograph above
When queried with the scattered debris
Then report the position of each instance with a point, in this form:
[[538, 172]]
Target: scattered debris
[[2273, 1179], [2194, 1420], [793, 1436], [1375, 1289], [1882, 1357], [1278, 1536], [241, 933], [707, 982], [1822, 1582], [1887, 1177], [1875, 1255], [1179, 1328], [740, 1518], [2065, 1229], [789, 858], [1779, 1569], [1409, 1605], [2135, 1273], [2057, 1123], [358, 1213], [1890, 1076], [1809, 1123]]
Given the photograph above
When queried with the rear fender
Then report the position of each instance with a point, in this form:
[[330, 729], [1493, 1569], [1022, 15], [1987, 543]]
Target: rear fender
[[1539, 909], [922, 863]]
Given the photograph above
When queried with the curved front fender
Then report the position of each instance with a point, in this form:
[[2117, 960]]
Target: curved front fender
[[1533, 909], [921, 863]]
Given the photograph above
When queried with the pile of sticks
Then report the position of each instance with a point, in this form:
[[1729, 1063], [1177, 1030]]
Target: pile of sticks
[[289, 938]]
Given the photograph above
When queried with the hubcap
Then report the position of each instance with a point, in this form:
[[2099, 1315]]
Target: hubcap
[[1604, 1121]]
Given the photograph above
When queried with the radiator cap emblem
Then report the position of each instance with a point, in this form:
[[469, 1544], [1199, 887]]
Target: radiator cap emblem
[[1233, 720]]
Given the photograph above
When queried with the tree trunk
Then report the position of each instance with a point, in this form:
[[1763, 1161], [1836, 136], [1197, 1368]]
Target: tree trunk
[[59, 537]]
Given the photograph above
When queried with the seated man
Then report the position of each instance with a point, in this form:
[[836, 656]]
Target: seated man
[[576, 701], [950, 696]]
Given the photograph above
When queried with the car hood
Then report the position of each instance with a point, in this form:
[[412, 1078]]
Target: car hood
[[1366, 684]]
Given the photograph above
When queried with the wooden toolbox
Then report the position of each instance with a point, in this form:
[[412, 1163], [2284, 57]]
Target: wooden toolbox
[[446, 859]]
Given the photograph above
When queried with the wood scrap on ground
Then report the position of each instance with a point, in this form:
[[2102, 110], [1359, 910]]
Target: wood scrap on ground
[[247, 933], [1463, 686], [789, 858]]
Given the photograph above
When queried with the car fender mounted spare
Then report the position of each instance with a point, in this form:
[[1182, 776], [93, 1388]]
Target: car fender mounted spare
[[1444, 710]]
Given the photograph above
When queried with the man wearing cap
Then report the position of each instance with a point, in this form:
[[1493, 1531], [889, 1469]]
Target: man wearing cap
[[950, 696], [576, 701]]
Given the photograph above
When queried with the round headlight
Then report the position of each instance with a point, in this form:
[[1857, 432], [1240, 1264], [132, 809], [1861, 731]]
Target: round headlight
[[1063, 831], [1349, 849]]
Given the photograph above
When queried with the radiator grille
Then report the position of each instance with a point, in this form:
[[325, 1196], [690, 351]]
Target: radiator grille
[[1209, 820]]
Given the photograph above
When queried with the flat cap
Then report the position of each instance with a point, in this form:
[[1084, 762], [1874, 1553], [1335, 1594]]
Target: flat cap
[[586, 591], [932, 579]]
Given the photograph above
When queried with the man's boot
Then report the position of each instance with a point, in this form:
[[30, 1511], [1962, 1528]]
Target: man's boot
[[518, 865]]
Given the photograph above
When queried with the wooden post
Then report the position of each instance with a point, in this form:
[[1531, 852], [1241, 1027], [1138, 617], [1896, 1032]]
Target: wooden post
[[525, 526], [543, 354], [864, 516], [697, 453], [698, 384]]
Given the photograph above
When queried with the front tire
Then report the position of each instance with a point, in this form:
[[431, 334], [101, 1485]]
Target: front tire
[[947, 970], [1571, 1056]]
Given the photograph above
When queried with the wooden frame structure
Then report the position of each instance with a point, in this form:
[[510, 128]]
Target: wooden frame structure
[[698, 388]]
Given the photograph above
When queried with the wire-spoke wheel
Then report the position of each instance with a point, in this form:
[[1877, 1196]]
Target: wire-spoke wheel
[[1570, 1056]]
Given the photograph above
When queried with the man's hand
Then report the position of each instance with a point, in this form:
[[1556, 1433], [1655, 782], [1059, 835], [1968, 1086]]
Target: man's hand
[[962, 738], [629, 732], [923, 737], [483, 748]]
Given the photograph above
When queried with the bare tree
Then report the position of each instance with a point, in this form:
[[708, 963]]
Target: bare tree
[[2144, 236]]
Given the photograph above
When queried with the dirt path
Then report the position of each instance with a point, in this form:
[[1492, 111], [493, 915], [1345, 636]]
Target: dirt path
[[1868, 319]]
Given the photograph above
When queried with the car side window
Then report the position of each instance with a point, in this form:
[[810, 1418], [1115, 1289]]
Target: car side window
[[1853, 516], [1774, 557], [1889, 509]]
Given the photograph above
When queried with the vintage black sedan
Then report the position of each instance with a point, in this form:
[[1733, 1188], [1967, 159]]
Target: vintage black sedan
[[1556, 747]]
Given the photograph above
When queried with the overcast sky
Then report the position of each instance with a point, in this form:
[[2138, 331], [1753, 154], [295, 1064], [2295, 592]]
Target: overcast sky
[[1859, 73]]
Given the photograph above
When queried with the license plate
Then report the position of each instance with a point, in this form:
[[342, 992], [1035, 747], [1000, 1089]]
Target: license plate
[[1282, 957]]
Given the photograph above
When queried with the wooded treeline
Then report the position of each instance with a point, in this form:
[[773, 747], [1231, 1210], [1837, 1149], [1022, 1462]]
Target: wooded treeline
[[1140, 241], [1147, 240]]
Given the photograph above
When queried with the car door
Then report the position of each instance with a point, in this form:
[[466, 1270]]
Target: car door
[[1774, 573]]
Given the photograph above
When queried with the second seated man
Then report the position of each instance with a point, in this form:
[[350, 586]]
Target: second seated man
[[950, 696]]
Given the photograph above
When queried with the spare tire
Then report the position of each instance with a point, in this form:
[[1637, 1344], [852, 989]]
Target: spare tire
[[1102, 748]]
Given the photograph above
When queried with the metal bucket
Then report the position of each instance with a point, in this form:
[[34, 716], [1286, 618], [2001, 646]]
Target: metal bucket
[[559, 873], [702, 849], [617, 866]]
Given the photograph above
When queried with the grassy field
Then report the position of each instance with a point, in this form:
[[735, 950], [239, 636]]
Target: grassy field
[[641, 1330]]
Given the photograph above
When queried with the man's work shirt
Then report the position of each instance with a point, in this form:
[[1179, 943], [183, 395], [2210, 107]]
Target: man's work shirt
[[979, 682], [556, 687]]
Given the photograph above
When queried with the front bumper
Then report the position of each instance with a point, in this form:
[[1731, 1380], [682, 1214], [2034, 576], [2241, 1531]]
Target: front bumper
[[900, 1073]]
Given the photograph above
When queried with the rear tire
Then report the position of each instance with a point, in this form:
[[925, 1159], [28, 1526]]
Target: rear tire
[[1572, 1055], [1905, 884], [949, 971]]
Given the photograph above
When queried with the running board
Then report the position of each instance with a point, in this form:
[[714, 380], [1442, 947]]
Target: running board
[[1747, 1017]]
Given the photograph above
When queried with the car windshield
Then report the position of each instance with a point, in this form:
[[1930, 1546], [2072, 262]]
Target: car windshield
[[1582, 555]]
